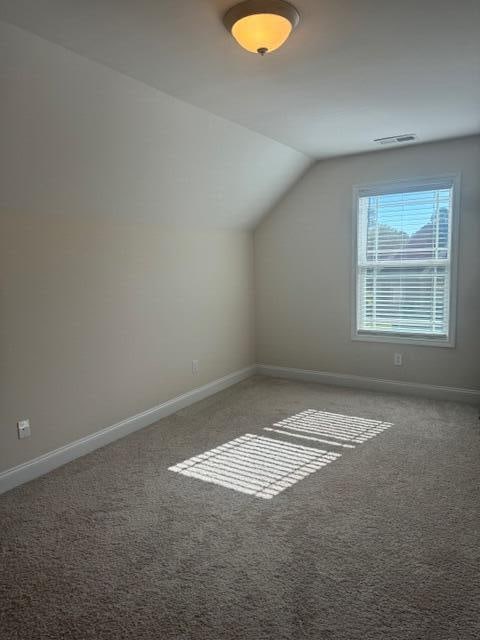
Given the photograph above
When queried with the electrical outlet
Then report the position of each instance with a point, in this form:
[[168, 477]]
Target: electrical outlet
[[398, 360], [195, 367], [23, 428]]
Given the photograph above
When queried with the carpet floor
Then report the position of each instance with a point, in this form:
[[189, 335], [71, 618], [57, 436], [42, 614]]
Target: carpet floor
[[280, 535]]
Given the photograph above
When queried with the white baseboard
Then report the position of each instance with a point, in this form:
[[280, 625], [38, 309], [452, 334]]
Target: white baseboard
[[471, 396], [53, 459], [43, 464]]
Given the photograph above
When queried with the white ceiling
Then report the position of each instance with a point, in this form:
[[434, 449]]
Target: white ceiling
[[354, 70], [80, 139]]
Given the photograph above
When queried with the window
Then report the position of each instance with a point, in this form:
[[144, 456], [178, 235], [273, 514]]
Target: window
[[404, 262]]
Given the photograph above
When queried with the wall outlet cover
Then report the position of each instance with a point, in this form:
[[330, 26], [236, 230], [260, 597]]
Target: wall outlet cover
[[398, 360], [23, 428]]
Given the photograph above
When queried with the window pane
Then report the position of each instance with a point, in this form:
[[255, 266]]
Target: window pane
[[406, 226], [404, 300], [403, 262]]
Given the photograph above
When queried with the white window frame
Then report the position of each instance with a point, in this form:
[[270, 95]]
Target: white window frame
[[379, 188]]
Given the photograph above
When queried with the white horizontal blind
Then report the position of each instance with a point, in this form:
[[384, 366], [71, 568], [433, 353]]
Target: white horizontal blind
[[404, 261]]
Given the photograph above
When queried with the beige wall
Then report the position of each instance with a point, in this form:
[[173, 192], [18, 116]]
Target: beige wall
[[114, 271], [303, 268], [101, 320]]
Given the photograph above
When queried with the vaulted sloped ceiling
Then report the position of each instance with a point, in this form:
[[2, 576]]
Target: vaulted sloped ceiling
[[78, 138], [353, 71]]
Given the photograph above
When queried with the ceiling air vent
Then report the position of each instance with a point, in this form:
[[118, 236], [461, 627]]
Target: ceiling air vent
[[405, 137]]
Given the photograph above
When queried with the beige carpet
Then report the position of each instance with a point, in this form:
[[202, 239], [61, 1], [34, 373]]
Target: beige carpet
[[355, 516]]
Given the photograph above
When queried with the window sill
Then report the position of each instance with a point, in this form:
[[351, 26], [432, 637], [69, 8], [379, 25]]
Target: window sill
[[410, 340]]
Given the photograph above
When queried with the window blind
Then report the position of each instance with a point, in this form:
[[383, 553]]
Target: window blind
[[404, 261]]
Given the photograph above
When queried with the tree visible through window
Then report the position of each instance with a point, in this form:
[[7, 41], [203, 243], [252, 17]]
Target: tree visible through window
[[404, 247]]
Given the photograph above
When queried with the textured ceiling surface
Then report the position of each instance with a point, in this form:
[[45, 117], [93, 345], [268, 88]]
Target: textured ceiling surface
[[353, 71], [79, 139]]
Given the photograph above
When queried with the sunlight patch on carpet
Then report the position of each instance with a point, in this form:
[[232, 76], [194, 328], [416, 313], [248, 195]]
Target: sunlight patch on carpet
[[256, 465], [334, 428]]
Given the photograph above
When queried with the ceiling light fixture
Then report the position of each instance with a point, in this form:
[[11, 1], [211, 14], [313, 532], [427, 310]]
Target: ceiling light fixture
[[261, 26]]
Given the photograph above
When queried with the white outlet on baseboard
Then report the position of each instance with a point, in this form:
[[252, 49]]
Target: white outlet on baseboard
[[195, 367], [398, 360], [23, 428]]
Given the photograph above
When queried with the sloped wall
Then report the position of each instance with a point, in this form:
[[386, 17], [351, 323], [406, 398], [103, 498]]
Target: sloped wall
[[82, 140]]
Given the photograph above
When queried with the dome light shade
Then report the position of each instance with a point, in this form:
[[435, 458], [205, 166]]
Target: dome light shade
[[261, 26]]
